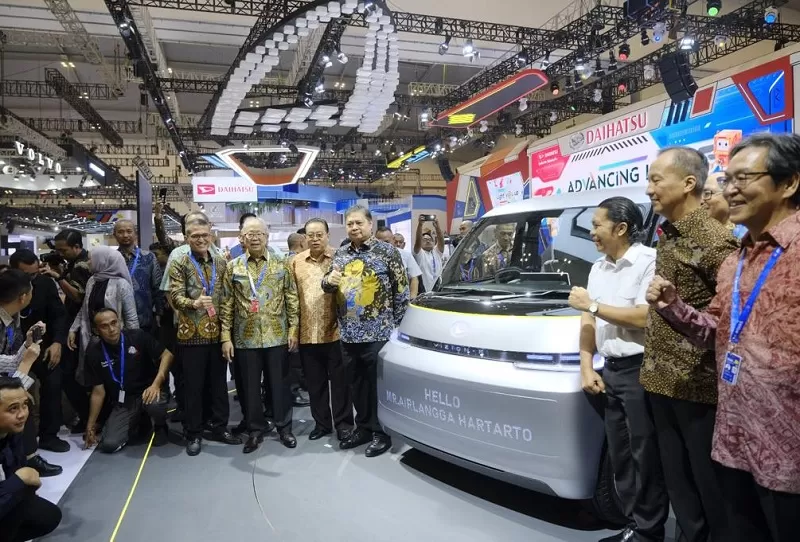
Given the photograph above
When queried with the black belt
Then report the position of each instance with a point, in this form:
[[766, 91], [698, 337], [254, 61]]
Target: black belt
[[625, 362]]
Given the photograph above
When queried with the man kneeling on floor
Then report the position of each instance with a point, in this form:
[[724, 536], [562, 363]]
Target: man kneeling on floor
[[123, 366], [23, 514]]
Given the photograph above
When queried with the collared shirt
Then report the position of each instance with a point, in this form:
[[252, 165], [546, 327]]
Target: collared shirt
[[494, 259], [623, 284], [757, 427], [430, 263], [77, 275], [318, 324], [12, 350], [688, 255], [146, 280], [179, 252], [276, 319], [412, 268], [372, 296], [195, 326]]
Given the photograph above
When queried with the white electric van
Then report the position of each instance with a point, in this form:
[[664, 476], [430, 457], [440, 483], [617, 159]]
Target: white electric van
[[484, 371]]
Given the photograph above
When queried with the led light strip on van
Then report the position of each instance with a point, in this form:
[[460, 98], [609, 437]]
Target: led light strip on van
[[522, 360]]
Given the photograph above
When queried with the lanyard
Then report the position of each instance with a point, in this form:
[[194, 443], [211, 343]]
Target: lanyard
[[502, 259], [121, 379], [208, 287], [257, 286], [739, 314], [468, 275], [132, 269], [433, 263], [10, 337]]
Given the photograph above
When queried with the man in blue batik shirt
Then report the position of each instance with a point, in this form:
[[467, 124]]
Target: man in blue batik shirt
[[145, 273]]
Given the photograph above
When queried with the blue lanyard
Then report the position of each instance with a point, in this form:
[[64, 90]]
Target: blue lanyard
[[501, 259], [10, 337], [135, 262], [433, 263], [209, 287], [468, 274], [121, 379], [257, 286], [739, 316]]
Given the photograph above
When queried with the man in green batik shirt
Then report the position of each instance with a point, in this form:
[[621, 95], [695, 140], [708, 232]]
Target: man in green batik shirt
[[260, 319]]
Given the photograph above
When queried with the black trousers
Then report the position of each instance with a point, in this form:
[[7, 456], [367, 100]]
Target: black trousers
[[297, 377], [32, 518], [684, 430], [633, 448], [123, 422], [758, 514], [361, 366], [205, 375], [327, 385], [271, 364], [77, 394], [236, 371], [49, 405]]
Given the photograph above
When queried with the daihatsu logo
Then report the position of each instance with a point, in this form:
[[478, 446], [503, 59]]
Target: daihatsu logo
[[206, 189], [459, 329]]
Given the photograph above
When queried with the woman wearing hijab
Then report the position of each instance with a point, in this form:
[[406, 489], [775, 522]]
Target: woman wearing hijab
[[109, 287]]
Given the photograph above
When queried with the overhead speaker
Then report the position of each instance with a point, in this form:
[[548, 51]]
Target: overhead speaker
[[676, 74], [446, 170], [381, 223]]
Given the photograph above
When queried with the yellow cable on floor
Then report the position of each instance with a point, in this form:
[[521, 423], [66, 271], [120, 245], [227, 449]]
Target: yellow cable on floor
[[133, 488]]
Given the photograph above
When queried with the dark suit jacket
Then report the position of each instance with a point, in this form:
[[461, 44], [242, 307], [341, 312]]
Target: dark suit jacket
[[46, 307]]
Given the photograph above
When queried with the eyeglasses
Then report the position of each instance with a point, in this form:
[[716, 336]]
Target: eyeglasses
[[741, 179], [199, 236], [315, 235], [708, 194], [255, 235]]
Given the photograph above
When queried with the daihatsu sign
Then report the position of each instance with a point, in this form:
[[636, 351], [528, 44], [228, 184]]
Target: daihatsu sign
[[224, 190]]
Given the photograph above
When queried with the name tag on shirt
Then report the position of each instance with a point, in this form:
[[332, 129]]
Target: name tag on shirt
[[254, 305], [121, 397], [212, 312], [730, 371]]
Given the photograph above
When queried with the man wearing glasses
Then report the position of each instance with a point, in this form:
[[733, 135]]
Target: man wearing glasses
[[260, 320], [681, 379], [714, 202]]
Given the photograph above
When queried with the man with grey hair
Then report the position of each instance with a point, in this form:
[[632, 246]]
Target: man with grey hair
[[145, 273], [681, 379], [463, 229]]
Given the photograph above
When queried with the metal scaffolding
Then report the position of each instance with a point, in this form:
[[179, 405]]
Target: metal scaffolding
[[79, 126], [70, 94], [40, 89]]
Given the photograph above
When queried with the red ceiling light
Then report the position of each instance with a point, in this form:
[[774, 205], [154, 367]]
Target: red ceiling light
[[622, 86], [624, 52]]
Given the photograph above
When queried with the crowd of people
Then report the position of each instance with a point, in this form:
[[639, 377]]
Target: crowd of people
[[698, 335], [701, 349]]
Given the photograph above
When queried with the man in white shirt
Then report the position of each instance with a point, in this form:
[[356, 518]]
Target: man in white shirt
[[412, 269], [429, 251], [614, 316]]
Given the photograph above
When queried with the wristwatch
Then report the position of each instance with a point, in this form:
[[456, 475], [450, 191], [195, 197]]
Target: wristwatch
[[593, 308]]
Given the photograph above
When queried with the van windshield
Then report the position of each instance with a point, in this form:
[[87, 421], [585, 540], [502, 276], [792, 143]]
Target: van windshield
[[526, 253]]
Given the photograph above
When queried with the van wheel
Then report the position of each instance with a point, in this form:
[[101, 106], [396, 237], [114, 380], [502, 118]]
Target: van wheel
[[606, 504]]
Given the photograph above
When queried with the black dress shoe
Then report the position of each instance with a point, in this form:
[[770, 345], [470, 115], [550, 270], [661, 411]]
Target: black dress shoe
[[79, 428], [628, 535], [318, 433], [160, 436], [342, 434], [240, 428], [193, 446], [252, 443], [356, 438], [300, 398], [288, 440], [54, 444], [225, 437], [380, 444], [45, 469]]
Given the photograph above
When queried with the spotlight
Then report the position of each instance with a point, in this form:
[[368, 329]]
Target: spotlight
[[612, 62], [342, 58], [52, 179], [546, 60], [624, 52], [484, 126], [474, 56], [518, 130], [568, 84], [771, 15], [326, 61], [597, 95], [554, 88], [522, 59], [445, 45], [553, 116], [284, 143], [721, 41], [320, 88], [659, 29], [468, 49], [687, 43], [308, 102], [523, 104], [598, 68], [645, 37], [649, 72], [282, 159], [622, 86], [713, 7], [578, 80]]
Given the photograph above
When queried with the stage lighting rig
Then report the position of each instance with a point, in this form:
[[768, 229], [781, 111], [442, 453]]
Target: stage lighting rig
[[555, 88], [469, 48], [771, 15], [624, 52], [713, 7], [659, 29], [445, 45], [645, 37], [687, 42]]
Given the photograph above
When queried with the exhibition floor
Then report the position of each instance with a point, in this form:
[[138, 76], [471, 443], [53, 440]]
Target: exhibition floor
[[312, 493]]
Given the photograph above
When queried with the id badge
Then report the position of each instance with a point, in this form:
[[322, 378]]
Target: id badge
[[254, 305], [212, 312], [730, 371], [121, 397]]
